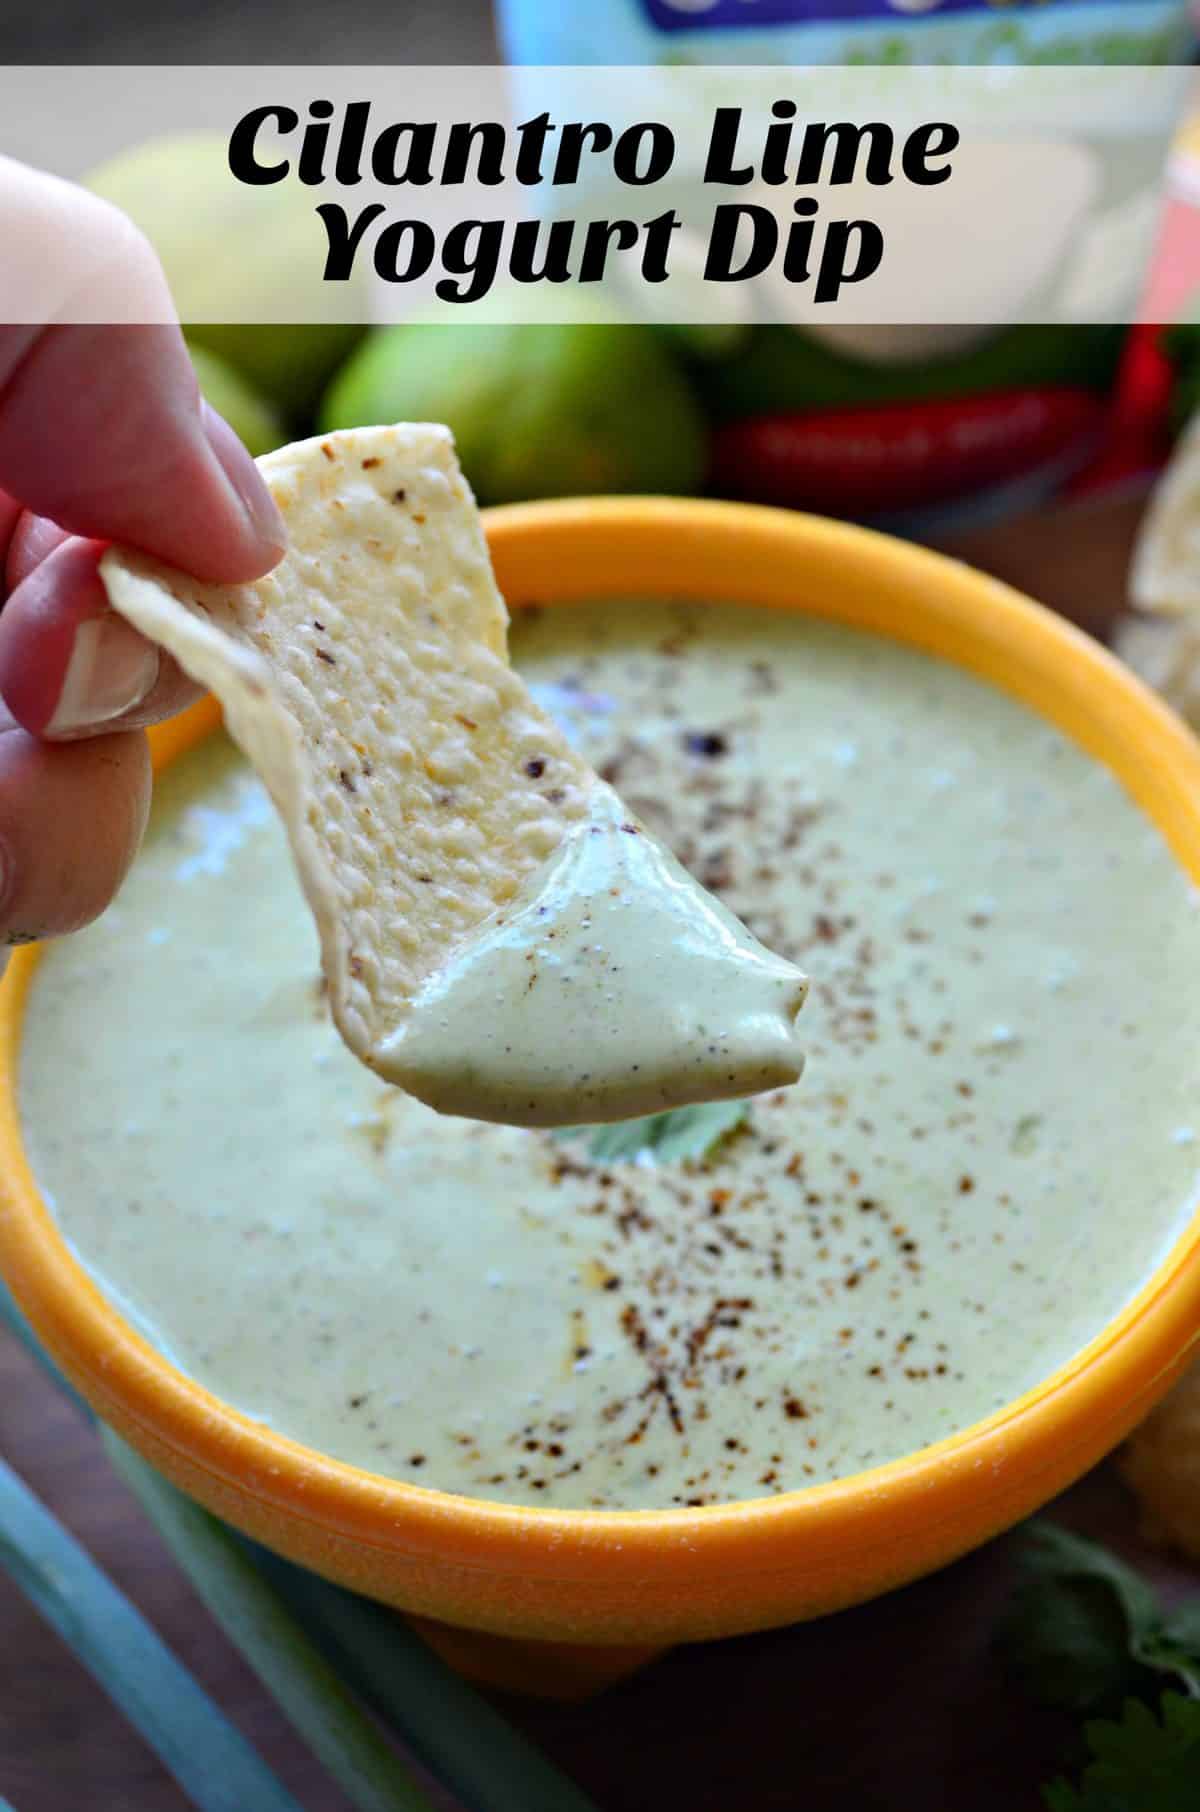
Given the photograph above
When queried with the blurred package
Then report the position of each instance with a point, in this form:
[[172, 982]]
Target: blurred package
[[796, 32], [910, 425]]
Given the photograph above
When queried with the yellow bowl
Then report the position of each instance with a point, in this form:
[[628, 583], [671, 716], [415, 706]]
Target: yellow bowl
[[626, 1583]]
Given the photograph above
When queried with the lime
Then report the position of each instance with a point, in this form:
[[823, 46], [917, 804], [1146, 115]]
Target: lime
[[254, 421], [594, 404]]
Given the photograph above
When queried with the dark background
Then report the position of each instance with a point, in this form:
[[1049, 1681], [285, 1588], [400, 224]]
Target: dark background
[[249, 31]]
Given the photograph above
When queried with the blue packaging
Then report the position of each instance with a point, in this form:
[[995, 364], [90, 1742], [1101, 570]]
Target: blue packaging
[[570, 32], [790, 370]]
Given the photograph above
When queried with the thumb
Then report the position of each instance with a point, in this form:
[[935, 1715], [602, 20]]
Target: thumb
[[101, 426], [102, 429]]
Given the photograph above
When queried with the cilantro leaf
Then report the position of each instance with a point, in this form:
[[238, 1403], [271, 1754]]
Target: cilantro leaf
[[1175, 1648], [1085, 1631], [1140, 1763], [1088, 1633], [667, 1138]]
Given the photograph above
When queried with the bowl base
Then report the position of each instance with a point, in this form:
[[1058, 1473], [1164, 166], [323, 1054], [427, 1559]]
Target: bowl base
[[542, 1670]]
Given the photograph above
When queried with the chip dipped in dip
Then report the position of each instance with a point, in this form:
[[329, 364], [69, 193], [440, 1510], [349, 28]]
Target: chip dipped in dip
[[499, 935], [946, 1209]]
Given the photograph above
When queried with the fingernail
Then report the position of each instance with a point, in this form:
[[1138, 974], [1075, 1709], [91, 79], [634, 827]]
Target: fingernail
[[111, 670], [245, 478]]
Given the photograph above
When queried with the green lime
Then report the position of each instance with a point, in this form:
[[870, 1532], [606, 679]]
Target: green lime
[[254, 421], [537, 409]]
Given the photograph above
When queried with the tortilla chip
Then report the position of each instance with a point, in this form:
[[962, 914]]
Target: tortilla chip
[[367, 679], [1160, 637], [1165, 652], [1164, 576]]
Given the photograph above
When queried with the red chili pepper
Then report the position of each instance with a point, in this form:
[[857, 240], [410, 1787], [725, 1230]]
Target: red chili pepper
[[897, 456], [1137, 436]]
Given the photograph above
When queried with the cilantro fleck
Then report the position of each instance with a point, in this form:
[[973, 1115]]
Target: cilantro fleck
[[668, 1138], [1025, 1135]]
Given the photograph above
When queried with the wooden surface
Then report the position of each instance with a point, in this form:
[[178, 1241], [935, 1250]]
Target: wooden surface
[[898, 1704]]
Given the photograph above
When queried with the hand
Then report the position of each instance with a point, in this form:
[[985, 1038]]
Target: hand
[[103, 436]]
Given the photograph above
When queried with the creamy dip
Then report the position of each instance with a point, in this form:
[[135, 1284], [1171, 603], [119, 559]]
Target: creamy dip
[[993, 1145], [613, 987]]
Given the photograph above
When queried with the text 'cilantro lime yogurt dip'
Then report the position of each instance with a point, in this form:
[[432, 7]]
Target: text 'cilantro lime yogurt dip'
[[993, 1145]]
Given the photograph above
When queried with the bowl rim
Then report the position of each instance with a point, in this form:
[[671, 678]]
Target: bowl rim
[[667, 547]]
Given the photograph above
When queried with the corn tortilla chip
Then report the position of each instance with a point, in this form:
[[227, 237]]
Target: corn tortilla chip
[[1164, 575], [1160, 636]]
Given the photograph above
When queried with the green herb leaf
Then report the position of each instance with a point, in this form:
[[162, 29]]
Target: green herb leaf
[[255, 1619], [1140, 1763], [669, 1138], [213, 1763], [473, 1751], [1025, 1135], [274, 1611], [13, 1319], [1085, 1631], [1175, 1648], [1074, 1619]]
